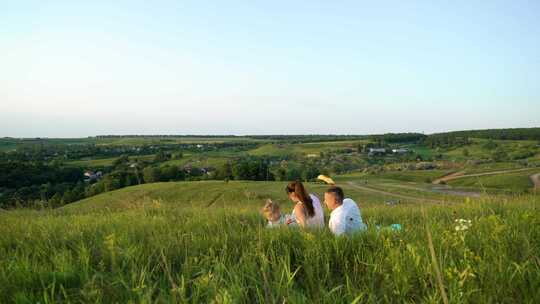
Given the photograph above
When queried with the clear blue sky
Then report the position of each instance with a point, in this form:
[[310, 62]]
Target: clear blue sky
[[69, 68]]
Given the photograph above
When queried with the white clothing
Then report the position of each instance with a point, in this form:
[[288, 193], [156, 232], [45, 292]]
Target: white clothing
[[280, 222], [317, 220], [346, 218]]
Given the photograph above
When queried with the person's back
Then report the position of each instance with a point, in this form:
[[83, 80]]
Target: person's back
[[346, 218], [317, 220]]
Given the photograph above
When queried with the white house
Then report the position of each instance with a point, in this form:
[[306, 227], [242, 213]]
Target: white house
[[400, 151], [376, 151], [91, 176]]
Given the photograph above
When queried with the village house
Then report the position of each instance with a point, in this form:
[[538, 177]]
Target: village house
[[400, 151], [376, 151], [90, 176]]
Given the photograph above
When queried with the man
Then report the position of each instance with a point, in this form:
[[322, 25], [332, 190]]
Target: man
[[345, 216]]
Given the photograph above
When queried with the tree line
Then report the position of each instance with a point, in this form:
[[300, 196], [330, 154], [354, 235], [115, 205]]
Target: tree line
[[501, 134], [55, 184]]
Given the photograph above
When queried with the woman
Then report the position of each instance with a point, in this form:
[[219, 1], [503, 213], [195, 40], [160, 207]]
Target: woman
[[307, 211]]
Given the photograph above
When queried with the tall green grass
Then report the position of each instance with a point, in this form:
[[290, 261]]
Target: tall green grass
[[202, 249]]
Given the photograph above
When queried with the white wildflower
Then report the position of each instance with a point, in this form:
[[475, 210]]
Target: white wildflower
[[462, 224]]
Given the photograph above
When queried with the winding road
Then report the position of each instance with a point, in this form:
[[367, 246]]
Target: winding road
[[535, 179]]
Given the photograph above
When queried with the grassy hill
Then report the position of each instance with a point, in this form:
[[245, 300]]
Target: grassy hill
[[514, 182], [202, 242]]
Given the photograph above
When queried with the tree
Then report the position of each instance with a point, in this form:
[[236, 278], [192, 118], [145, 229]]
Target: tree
[[293, 174], [55, 200], [310, 172], [169, 173], [466, 152], [499, 155], [240, 170], [195, 172], [178, 155], [225, 171], [111, 182], [490, 145], [151, 174], [123, 159], [68, 197], [281, 174], [161, 156]]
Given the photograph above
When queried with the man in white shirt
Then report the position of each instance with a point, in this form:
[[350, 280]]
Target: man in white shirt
[[345, 217]]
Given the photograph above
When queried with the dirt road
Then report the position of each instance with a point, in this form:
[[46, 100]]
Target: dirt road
[[442, 189], [406, 197]]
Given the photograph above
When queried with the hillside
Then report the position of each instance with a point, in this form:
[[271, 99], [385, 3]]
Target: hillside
[[206, 242], [244, 194]]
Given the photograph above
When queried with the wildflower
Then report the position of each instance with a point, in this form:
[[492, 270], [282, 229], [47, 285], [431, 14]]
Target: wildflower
[[309, 237], [462, 224]]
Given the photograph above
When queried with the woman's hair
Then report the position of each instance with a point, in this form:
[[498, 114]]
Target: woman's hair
[[297, 188]]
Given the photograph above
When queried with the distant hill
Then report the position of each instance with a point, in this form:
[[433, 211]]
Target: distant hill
[[504, 134], [197, 194]]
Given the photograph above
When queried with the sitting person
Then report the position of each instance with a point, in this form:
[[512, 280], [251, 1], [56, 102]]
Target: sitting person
[[307, 212], [345, 217], [273, 214]]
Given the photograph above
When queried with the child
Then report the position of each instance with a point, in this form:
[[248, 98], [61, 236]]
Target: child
[[272, 213]]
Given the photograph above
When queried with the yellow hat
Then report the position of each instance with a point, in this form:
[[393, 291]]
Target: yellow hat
[[326, 179]]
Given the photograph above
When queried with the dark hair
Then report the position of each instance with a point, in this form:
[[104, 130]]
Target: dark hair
[[337, 192], [298, 189]]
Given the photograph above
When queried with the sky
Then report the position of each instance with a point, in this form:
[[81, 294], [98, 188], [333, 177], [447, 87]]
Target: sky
[[84, 68]]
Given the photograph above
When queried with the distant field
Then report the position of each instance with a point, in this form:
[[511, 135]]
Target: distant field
[[46, 141], [515, 181], [175, 140], [198, 161], [10, 143], [488, 167], [305, 148], [420, 176], [423, 151], [105, 162], [414, 175], [477, 151], [7, 146]]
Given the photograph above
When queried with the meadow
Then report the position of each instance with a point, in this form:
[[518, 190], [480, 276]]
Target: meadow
[[478, 150], [313, 149], [205, 242], [511, 182]]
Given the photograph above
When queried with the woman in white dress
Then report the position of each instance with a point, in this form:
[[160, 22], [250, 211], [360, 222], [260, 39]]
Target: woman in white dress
[[307, 212]]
